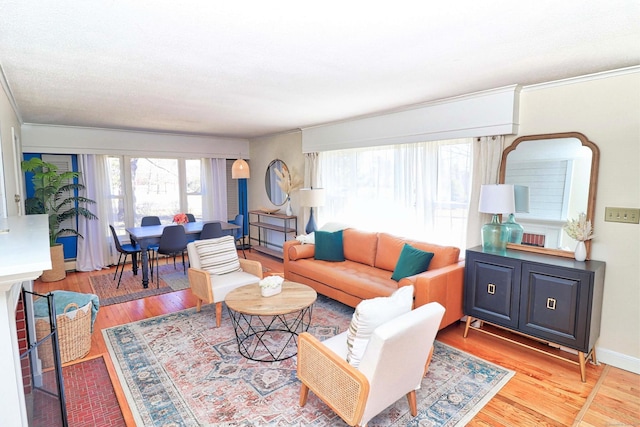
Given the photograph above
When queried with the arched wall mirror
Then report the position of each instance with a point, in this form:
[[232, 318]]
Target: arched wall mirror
[[561, 171], [275, 194]]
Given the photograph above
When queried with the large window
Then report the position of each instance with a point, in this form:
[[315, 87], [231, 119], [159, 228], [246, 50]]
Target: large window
[[142, 186], [420, 190]]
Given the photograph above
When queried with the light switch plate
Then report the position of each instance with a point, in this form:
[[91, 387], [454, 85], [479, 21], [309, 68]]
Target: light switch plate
[[626, 215]]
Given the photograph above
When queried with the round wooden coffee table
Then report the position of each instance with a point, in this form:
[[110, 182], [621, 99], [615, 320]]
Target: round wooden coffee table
[[266, 327]]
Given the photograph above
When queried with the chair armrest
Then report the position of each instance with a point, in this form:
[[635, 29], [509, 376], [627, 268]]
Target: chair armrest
[[200, 283], [444, 285], [251, 267], [338, 384]]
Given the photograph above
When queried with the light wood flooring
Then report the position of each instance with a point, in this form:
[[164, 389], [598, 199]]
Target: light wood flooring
[[544, 392]]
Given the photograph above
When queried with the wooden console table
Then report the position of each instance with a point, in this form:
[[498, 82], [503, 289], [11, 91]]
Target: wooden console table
[[264, 227]]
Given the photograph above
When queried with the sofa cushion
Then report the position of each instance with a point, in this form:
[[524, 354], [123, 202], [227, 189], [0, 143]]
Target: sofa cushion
[[329, 246], [360, 246], [218, 256], [412, 261], [301, 251], [370, 314], [361, 281], [442, 255], [389, 248]]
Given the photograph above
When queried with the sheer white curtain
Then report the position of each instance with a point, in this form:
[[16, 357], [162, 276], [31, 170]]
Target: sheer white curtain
[[94, 249], [415, 190], [311, 170], [487, 152], [311, 179], [214, 198]]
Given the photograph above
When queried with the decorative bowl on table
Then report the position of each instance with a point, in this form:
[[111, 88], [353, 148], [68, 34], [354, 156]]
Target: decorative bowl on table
[[267, 210], [271, 285]]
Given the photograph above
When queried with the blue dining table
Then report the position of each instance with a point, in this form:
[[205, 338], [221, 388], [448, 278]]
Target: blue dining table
[[150, 235]]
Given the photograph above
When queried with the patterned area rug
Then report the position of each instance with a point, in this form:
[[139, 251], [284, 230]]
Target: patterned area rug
[[104, 285], [179, 369]]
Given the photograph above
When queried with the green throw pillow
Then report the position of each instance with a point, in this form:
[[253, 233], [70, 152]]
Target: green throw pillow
[[412, 261], [329, 246]]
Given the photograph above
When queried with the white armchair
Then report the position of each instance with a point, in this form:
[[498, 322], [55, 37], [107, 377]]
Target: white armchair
[[212, 288], [393, 365]]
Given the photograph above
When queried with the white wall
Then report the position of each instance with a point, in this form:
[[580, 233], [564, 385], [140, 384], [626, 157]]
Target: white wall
[[607, 110], [8, 120], [286, 147]]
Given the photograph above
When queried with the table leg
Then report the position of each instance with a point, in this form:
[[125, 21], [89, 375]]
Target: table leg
[[145, 266], [134, 264]]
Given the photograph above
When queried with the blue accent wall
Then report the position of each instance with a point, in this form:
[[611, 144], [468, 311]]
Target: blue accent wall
[[70, 243]]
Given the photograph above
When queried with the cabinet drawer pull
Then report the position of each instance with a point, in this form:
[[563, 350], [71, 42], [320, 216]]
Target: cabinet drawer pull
[[551, 303], [491, 289]]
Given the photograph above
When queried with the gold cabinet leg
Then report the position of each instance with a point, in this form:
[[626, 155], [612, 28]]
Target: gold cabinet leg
[[583, 370], [593, 356], [466, 327]]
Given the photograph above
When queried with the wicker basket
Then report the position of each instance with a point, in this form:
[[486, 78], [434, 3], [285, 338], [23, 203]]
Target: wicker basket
[[74, 335]]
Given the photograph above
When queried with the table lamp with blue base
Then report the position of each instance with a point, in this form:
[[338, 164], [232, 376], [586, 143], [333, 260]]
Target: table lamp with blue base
[[311, 198]]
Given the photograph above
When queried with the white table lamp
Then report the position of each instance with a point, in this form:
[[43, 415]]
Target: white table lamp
[[496, 199], [311, 198]]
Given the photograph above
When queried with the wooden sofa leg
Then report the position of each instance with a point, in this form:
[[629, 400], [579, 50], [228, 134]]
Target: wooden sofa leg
[[304, 393], [413, 406], [198, 305], [218, 313]]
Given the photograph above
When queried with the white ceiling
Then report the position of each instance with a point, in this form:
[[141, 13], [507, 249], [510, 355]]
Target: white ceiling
[[251, 68]]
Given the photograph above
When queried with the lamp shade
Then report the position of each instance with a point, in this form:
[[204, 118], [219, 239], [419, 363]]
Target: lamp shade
[[497, 199], [311, 197], [240, 169], [521, 193]]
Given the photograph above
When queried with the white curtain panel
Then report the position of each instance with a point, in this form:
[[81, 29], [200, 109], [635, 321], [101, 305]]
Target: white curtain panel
[[416, 190], [311, 179], [214, 200], [311, 170], [487, 152], [94, 249]]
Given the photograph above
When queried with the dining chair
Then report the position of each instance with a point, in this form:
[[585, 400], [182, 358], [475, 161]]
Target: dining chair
[[126, 250], [150, 220], [173, 241], [238, 233], [211, 230], [190, 218]]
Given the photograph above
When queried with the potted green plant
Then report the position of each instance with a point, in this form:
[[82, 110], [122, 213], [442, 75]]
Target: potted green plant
[[56, 195]]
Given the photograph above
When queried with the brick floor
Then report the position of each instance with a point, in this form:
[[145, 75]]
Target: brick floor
[[91, 401]]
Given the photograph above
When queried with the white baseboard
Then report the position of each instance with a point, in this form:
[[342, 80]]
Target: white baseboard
[[619, 360]]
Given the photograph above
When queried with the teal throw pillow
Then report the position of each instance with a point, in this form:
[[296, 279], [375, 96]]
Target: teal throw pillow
[[329, 246], [412, 261]]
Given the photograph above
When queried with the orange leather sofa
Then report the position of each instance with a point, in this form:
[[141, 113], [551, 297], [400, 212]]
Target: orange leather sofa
[[370, 259]]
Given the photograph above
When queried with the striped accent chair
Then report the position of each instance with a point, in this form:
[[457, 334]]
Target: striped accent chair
[[215, 269]]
